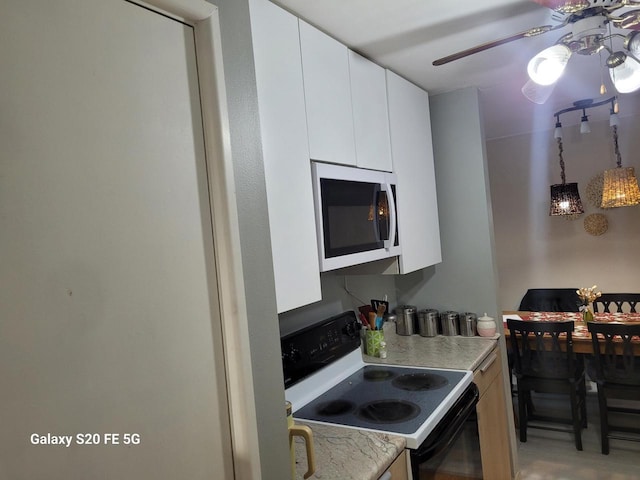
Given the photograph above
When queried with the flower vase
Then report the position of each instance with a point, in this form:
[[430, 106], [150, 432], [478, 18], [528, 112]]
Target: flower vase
[[587, 315]]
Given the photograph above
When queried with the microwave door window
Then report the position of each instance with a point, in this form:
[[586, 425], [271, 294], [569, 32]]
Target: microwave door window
[[349, 215]]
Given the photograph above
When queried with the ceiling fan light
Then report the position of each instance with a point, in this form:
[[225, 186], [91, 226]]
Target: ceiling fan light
[[624, 72], [547, 66], [632, 43], [537, 93]]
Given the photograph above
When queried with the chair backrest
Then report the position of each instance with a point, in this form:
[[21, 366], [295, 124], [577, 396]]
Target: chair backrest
[[613, 349], [550, 300], [622, 302], [535, 356]]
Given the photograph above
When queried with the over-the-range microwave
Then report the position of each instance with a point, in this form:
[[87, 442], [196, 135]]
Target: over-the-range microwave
[[355, 215]]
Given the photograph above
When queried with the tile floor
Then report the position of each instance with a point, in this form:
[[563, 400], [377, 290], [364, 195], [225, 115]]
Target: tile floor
[[549, 455]]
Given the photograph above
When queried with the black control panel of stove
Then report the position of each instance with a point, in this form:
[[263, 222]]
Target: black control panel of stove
[[308, 350]]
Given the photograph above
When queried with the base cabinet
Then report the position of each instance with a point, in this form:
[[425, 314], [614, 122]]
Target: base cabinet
[[398, 469], [492, 419]]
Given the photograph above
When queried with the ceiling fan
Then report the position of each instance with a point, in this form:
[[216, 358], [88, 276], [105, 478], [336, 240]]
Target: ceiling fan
[[591, 32]]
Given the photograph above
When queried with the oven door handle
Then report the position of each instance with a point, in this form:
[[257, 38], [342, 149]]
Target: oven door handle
[[452, 424]]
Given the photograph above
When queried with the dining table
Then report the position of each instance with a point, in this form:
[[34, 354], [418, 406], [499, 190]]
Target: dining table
[[581, 336]]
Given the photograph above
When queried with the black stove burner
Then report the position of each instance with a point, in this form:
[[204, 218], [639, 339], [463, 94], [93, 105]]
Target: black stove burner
[[335, 407], [375, 374], [388, 411], [415, 382]]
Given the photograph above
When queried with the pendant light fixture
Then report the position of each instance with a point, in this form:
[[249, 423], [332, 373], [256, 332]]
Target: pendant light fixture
[[565, 198], [584, 123], [620, 187]]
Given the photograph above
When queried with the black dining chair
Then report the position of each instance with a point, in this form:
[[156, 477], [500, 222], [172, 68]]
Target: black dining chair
[[617, 376], [544, 363], [622, 302], [550, 300]]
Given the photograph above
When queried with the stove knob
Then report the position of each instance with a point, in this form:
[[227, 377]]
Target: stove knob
[[351, 329]]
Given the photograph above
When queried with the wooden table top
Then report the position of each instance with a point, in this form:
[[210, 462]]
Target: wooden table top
[[581, 336]]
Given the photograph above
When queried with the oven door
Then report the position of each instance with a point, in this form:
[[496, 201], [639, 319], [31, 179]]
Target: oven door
[[452, 449]]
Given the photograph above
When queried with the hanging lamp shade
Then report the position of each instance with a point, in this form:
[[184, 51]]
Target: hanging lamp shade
[[565, 199], [620, 185], [624, 72], [620, 188]]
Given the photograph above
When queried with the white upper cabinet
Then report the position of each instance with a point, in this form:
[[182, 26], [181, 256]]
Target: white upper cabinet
[[327, 90], [412, 152], [370, 113], [283, 125]]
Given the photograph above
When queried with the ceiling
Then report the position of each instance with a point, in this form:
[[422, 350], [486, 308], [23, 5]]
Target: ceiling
[[406, 36]]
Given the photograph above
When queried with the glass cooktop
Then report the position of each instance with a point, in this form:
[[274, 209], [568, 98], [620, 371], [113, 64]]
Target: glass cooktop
[[381, 397]]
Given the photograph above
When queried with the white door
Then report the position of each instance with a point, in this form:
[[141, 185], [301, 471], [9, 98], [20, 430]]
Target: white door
[[109, 317]]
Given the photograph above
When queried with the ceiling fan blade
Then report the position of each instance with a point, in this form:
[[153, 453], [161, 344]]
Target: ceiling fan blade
[[628, 20], [564, 6], [532, 32]]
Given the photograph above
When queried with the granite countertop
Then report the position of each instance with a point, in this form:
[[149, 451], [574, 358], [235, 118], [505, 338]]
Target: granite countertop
[[454, 352], [348, 453]]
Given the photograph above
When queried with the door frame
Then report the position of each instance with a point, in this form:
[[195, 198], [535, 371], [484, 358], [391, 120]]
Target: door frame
[[205, 20]]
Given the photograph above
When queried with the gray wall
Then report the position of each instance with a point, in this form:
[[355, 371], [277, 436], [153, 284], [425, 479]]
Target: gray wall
[[254, 237], [556, 252], [466, 280], [340, 293]]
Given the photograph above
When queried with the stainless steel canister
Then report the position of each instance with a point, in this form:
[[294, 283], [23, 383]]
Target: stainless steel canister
[[468, 322], [428, 322], [407, 319], [449, 323]]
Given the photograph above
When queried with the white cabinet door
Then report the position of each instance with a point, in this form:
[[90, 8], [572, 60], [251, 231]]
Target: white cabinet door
[[411, 148], [370, 113], [285, 150], [327, 90]]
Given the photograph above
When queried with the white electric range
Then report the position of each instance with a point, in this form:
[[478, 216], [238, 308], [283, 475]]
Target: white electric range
[[327, 381]]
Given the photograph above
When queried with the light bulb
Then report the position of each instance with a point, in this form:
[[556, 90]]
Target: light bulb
[[547, 66]]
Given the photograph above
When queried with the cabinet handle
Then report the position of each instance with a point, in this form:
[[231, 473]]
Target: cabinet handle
[[488, 362]]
